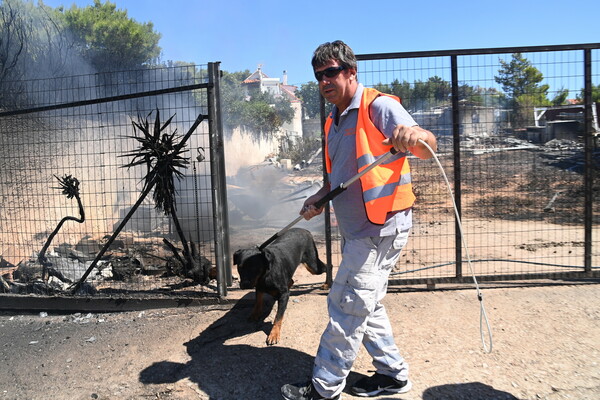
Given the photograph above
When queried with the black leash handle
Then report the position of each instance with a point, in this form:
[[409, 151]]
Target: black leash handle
[[329, 196]]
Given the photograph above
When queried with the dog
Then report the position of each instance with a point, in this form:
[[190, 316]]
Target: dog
[[271, 271]]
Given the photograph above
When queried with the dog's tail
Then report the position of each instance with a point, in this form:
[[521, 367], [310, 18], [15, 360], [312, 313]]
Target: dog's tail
[[322, 266], [317, 267]]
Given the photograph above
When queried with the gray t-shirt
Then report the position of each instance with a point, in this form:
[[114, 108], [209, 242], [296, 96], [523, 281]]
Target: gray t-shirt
[[349, 207]]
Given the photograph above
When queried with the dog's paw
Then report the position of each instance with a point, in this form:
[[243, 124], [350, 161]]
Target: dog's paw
[[273, 339], [274, 335]]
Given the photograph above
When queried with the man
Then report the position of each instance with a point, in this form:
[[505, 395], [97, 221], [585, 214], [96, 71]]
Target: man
[[374, 217]]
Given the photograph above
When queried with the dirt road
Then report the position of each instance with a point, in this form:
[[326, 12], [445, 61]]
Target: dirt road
[[546, 345]]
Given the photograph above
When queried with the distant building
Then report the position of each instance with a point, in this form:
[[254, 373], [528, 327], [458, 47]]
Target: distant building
[[561, 122], [474, 120], [278, 88], [259, 79]]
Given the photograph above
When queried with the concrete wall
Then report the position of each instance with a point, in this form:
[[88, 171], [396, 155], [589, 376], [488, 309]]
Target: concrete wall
[[242, 150], [312, 127], [294, 128]]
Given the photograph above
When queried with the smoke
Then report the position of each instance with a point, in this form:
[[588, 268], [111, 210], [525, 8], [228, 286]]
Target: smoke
[[88, 141], [37, 51], [263, 196]]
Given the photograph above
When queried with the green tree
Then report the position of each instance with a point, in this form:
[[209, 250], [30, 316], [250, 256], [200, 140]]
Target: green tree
[[383, 87], [595, 94], [311, 99], [560, 97], [520, 80], [525, 104], [430, 93], [403, 91], [486, 97], [470, 94], [33, 45], [233, 97], [437, 92], [267, 113], [440, 90], [111, 40], [261, 112], [519, 77]]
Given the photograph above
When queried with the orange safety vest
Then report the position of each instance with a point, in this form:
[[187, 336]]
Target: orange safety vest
[[387, 187]]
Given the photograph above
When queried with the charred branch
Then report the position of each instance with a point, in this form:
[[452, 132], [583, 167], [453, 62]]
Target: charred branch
[[70, 187], [150, 143]]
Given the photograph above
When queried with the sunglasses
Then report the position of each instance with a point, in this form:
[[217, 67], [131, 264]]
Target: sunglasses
[[330, 72]]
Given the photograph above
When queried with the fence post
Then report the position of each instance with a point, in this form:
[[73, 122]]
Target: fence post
[[456, 146], [328, 253], [218, 174], [588, 156]]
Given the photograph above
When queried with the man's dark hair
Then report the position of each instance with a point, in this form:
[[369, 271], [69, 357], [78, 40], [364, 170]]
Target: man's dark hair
[[337, 50]]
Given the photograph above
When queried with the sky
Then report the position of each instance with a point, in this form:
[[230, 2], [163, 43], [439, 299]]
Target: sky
[[282, 35]]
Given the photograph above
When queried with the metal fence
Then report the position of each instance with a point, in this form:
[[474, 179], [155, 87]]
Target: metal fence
[[525, 187], [80, 130]]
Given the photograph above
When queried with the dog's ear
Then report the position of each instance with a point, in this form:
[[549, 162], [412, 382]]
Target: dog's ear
[[269, 256], [237, 257]]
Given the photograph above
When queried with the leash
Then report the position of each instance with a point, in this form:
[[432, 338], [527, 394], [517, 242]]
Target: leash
[[483, 318], [343, 186]]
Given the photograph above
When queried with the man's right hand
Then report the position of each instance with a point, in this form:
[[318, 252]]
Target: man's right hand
[[308, 209]]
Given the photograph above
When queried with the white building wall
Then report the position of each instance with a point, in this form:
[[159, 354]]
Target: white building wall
[[242, 150], [294, 128]]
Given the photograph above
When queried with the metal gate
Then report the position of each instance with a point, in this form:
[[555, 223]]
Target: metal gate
[[80, 217], [524, 189]]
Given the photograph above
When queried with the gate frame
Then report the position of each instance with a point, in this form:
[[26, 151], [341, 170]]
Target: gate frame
[[587, 48], [220, 215]]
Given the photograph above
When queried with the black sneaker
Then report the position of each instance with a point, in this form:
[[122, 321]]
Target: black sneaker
[[378, 383], [303, 392]]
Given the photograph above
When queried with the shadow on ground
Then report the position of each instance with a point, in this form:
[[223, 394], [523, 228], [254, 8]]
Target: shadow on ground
[[225, 370], [224, 367], [466, 391]]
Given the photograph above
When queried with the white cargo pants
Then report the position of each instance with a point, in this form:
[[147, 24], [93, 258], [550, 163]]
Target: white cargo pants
[[356, 315]]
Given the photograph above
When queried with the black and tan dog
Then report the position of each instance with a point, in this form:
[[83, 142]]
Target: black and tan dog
[[271, 271]]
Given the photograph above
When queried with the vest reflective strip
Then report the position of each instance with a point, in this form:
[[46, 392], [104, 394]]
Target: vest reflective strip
[[367, 159], [387, 189]]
